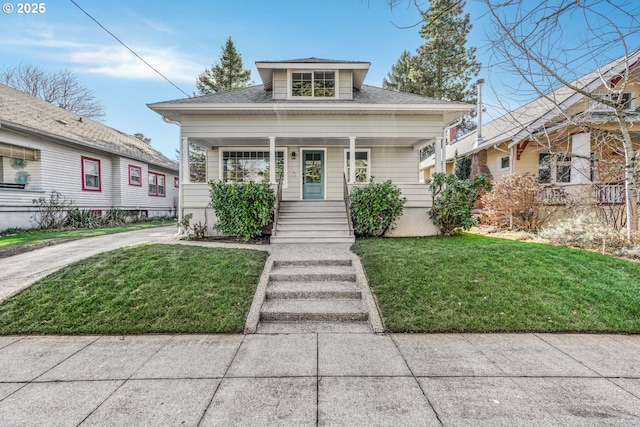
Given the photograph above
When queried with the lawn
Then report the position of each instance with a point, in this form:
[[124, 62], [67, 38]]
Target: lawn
[[141, 289], [472, 283], [15, 240]]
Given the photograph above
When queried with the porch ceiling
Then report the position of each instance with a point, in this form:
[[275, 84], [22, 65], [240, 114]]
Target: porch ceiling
[[312, 142]]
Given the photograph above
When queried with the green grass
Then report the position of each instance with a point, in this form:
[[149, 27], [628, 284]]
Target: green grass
[[482, 284], [31, 237], [142, 289]]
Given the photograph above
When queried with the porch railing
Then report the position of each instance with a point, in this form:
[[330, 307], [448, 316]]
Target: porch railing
[[553, 195], [612, 194], [276, 212], [347, 204]]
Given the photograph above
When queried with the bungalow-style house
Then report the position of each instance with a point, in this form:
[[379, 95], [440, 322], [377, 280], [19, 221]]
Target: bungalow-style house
[[568, 140], [45, 148], [323, 131]]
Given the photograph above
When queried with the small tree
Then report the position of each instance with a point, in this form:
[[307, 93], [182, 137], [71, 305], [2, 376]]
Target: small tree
[[462, 167], [454, 199], [228, 74]]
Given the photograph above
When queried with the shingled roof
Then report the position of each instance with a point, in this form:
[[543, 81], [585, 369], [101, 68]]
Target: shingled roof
[[23, 112], [367, 95]]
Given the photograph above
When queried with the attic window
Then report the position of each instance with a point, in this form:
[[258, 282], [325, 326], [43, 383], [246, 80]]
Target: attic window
[[320, 84]]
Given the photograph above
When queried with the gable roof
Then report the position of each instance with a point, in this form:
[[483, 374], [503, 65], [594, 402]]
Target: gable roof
[[517, 125], [22, 112]]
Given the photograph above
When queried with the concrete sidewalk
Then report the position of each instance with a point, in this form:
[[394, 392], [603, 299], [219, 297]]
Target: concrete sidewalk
[[321, 379]]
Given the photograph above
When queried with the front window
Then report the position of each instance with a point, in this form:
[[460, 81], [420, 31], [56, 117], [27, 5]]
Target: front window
[[157, 185], [320, 84], [250, 166], [554, 169], [90, 174], [135, 176], [362, 165]]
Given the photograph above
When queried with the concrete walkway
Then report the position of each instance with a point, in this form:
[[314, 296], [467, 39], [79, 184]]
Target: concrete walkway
[[305, 379], [327, 379]]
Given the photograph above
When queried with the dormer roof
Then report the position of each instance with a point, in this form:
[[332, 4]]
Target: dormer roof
[[266, 68]]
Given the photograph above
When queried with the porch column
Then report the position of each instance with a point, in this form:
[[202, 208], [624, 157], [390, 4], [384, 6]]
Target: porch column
[[581, 158], [352, 160], [272, 160], [185, 174], [440, 157]]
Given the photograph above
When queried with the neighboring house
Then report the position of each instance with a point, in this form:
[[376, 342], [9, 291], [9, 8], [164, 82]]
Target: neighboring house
[[44, 148], [564, 138], [315, 123]]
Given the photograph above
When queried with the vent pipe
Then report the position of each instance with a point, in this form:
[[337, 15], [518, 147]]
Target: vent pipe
[[479, 139]]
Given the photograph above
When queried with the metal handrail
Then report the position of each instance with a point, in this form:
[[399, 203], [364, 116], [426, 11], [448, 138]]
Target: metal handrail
[[276, 213], [347, 204]]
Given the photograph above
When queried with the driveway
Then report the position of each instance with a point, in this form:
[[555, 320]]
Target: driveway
[[21, 271]]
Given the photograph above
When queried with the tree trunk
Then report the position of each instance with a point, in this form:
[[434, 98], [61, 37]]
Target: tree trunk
[[630, 182]]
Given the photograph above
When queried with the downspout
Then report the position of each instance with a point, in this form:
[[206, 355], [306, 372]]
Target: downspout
[[479, 139]]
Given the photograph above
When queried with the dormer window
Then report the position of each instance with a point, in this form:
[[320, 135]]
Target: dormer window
[[313, 84]]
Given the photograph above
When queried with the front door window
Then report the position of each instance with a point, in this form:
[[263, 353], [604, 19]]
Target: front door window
[[313, 185]]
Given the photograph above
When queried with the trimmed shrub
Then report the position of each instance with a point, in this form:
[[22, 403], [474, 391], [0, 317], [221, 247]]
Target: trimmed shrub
[[242, 209], [454, 200], [375, 207]]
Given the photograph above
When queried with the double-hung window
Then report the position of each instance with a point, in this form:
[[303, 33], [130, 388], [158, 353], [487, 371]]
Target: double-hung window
[[363, 169], [157, 186], [319, 84], [251, 166], [135, 176], [91, 174], [503, 162], [553, 169]]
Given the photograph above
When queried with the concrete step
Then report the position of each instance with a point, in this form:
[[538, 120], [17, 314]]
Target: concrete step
[[317, 239], [313, 310], [313, 327], [312, 216], [312, 227], [311, 210], [312, 203], [321, 273], [312, 262], [313, 290], [306, 220], [313, 233]]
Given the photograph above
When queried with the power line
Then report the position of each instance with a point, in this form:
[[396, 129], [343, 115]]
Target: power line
[[129, 49]]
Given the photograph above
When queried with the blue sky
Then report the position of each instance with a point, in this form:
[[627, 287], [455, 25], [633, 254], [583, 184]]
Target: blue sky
[[181, 38]]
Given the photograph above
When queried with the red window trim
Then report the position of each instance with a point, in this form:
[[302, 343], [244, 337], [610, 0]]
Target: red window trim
[[139, 168], [84, 187], [165, 184], [176, 182]]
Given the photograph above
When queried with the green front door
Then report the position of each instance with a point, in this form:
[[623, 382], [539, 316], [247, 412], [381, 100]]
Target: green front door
[[313, 175]]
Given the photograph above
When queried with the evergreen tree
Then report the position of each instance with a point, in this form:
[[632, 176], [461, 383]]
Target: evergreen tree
[[443, 66], [228, 74]]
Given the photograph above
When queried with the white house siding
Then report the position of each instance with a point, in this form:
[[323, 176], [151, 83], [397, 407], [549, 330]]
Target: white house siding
[[345, 84], [280, 84], [310, 126], [399, 164], [137, 197]]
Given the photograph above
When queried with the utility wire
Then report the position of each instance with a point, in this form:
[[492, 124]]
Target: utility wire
[[129, 49]]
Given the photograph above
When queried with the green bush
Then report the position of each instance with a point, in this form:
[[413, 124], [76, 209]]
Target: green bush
[[242, 209], [81, 218], [375, 207], [454, 200]]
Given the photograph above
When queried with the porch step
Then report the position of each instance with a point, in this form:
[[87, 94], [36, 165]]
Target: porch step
[[320, 221], [313, 295]]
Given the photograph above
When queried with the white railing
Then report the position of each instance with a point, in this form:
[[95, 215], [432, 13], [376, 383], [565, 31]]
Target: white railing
[[553, 195], [612, 194]]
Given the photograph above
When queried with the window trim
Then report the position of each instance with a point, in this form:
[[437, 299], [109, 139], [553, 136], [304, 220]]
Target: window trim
[[346, 163], [336, 77], [502, 169], [156, 193], [284, 150], [97, 189], [139, 169]]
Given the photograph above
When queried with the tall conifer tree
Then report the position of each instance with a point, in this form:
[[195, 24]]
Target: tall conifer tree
[[228, 74], [443, 67]]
